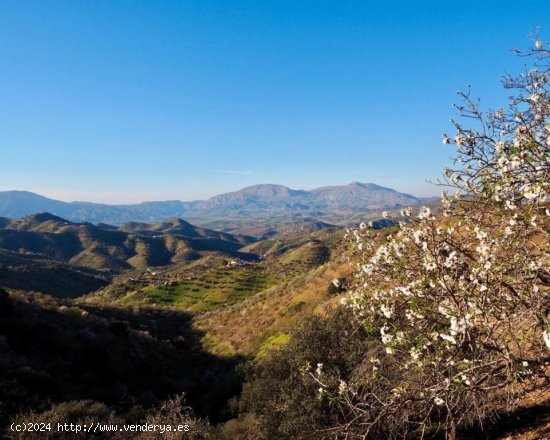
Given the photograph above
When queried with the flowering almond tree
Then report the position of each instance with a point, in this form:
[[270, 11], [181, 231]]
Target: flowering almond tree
[[460, 302]]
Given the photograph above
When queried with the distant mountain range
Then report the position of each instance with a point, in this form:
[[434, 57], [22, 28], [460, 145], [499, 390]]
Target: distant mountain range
[[257, 200]]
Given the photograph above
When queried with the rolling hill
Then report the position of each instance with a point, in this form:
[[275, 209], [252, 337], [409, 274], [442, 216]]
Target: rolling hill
[[47, 253]]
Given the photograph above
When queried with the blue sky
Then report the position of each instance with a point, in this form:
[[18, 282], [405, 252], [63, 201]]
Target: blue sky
[[124, 101]]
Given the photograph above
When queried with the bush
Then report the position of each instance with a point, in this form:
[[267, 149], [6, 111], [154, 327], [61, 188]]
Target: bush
[[460, 303], [87, 412], [82, 412], [174, 412], [280, 388], [447, 322]]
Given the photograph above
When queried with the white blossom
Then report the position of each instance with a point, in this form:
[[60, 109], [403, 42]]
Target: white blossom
[[386, 310], [448, 338], [342, 386], [319, 369], [439, 289]]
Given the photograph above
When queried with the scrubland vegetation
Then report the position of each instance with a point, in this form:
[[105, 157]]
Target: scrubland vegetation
[[453, 310], [437, 327]]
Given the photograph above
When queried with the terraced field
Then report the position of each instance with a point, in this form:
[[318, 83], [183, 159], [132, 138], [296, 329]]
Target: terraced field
[[311, 254], [199, 289], [280, 287]]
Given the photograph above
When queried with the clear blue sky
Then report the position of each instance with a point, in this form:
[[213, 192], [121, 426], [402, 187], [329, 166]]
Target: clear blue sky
[[123, 101]]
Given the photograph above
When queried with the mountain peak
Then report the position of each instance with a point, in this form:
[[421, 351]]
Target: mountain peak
[[359, 195], [42, 221], [257, 195], [366, 185], [43, 217], [269, 190], [172, 224], [265, 186]]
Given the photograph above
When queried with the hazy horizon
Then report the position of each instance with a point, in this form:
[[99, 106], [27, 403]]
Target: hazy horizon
[[124, 102], [111, 198]]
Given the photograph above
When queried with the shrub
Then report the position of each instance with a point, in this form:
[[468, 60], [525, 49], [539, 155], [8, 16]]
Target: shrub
[[82, 412], [174, 412], [280, 389], [87, 413], [460, 303]]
